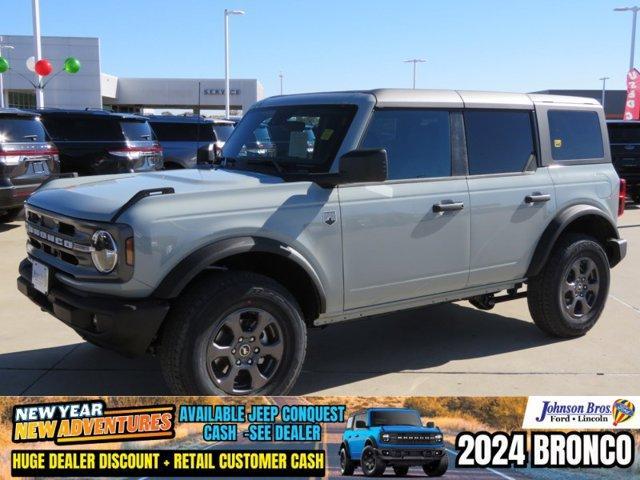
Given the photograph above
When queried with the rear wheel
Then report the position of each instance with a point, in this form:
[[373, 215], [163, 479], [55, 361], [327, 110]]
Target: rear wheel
[[371, 464], [10, 215], [568, 296], [437, 468], [234, 333], [401, 470], [347, 466]]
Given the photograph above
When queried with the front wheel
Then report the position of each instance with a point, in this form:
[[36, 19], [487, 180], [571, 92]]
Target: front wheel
[[371, 464], [568, 296], [401, 470], [233, 333], [347, 466], [437, 468]]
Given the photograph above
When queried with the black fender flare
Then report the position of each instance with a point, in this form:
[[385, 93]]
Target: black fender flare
[[198, 261], [558, 225], [345, 445]]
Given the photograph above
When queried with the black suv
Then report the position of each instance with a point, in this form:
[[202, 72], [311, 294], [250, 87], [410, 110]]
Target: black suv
[[624, 138], [95, 142], [189, 140], [27, 158]]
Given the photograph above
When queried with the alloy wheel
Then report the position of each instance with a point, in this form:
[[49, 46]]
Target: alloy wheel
[[580, 286]]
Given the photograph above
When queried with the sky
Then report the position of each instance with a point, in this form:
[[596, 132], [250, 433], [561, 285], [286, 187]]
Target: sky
[[319, 45]]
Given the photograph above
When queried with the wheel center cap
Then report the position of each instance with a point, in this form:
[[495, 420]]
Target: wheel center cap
[[244, 350]]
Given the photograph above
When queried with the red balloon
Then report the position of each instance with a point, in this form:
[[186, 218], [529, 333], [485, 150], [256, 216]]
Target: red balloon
[[43, 67]]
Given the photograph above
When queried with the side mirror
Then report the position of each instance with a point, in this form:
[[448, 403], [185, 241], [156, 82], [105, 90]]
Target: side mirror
[[431, 425], [361, 424], [365, 165]]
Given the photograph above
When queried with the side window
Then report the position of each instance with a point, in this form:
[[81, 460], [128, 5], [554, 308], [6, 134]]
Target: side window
[[361, 418], [575, 134], [499, 141], [418, 142], [350, 423]]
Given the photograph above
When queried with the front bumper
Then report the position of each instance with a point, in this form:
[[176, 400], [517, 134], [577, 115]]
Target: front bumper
[[395, 455], [125, 325], [14, 197]]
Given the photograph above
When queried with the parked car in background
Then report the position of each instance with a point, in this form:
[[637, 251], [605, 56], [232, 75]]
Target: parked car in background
[[624, 138], [96, 142], [188, 141], [27, 158]]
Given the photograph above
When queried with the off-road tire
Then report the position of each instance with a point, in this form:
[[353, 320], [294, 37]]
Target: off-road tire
[[202, 308], [376, 467], [347, 466], [437, 468], [401, 470], [10, 215], [544, 290]]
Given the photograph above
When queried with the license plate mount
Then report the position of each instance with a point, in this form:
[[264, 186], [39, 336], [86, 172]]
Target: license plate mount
[[40, 277]]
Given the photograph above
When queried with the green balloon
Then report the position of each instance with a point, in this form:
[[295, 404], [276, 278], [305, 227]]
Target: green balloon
[[4, 65], [71, 65]]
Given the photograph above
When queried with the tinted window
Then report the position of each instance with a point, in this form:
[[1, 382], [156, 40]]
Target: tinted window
[[360, 418], [14, 129], [575, 135], [379, 418], [176, 132], [223, 131], [624, 133], [136, 130], [83, 128], [499, 141], [417, 142]]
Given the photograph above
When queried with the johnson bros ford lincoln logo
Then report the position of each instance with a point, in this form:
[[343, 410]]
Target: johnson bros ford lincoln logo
[[67, 423], [581, 412]]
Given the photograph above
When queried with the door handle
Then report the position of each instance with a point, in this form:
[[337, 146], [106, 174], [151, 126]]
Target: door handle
[[447, 207], [537, 198]]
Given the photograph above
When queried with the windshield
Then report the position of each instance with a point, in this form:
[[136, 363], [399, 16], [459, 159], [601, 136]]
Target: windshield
[[223, 131], [382, 418], [629, 133], [289, 138]]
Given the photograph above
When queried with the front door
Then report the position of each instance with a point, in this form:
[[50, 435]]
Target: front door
[[407, 237]]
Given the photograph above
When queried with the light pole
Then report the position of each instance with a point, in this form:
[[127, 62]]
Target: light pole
[[604, 91], [226, 57], [6, 47], [415, 61], [281, 77], [633, 9], [38, 48]]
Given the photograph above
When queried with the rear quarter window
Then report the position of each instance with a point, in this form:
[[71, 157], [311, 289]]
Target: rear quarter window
[[13, 129], [136, 131], [575, 135]]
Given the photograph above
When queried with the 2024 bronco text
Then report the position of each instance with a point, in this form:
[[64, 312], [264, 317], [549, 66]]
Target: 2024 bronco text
[[328, 207]]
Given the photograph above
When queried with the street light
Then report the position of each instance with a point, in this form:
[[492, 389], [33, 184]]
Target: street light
[[226, 57], [281, 77], [6, 47], [415, 61], [604, 82], [38, 48], [633, 9]]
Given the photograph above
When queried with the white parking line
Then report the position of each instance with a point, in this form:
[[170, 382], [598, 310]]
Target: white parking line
[[495, 472]]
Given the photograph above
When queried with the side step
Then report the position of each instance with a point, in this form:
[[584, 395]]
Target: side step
[[489, 300]]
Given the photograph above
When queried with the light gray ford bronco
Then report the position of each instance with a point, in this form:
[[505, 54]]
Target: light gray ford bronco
[[328, 207]]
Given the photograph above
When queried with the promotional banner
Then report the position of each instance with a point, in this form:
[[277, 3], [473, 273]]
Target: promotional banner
[[316, 437], [632, 104]]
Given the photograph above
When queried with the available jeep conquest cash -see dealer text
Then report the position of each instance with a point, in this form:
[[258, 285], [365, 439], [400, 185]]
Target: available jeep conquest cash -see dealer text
[[403, 198]]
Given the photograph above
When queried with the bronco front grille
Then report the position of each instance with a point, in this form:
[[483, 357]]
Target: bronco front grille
[[414, 438], [59, 237]]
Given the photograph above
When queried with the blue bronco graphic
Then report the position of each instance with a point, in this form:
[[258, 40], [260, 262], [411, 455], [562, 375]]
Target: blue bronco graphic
[[378, 438]]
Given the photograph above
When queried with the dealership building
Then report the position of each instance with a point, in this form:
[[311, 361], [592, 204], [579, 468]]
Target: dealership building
[[91, 88]]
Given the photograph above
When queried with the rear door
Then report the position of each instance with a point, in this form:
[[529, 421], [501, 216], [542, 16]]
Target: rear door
[[512, 197], [407, 237]]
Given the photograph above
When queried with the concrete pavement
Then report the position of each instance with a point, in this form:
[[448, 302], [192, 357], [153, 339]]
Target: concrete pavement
[[441, 350]]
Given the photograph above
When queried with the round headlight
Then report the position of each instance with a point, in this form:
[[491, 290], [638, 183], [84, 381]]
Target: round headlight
[[105, 253], [385, 437]]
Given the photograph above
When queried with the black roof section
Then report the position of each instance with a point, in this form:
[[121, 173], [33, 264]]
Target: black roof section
[[88, 112], [16, 112]]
